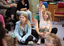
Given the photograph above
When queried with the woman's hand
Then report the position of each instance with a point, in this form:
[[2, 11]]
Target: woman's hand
[[10, 5], [23, 9]]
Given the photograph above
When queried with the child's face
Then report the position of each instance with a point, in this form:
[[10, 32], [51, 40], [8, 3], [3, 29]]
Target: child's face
[[22, 18], [45, 16], [40, 3], [49, 41]]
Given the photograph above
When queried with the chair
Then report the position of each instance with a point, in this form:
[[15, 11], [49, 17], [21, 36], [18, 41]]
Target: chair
[[59, 14], [45, 4]]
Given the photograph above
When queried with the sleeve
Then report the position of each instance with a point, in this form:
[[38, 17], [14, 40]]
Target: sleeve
[[4, 4], [18, 6], [16, 32], [36, 17], [28, 33], [27, 4], [2, 19]]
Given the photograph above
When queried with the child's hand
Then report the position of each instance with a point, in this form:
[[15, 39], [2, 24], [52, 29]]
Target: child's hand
[[43, 27]]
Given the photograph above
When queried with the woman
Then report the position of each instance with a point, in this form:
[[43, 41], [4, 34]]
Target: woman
[[52, 40], [37, 19], [7, 9], [23, 7], [23, 30]]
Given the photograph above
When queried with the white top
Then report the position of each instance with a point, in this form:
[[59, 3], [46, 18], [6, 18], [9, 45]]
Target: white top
[[42, 22], [22, 28]]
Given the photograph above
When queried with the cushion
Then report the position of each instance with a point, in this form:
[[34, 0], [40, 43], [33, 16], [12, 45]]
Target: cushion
[[45, 4], [61, 13], [61, 4]]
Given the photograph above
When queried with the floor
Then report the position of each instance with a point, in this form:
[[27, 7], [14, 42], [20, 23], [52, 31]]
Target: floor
[[60, 33]]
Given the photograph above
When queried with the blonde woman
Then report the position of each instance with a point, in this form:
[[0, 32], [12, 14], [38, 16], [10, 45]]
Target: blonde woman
[[52, 40], [23, 30]]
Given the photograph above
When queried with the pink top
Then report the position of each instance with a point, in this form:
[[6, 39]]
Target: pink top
[[2, 19]]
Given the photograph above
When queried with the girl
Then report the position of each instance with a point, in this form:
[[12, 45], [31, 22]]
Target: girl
[[23, 7], [45, 25], [23, 30], [52, 40]]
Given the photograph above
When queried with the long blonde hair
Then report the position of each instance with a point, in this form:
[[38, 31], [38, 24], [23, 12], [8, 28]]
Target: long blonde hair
[[27, 21], [56, 39], [49, 15]]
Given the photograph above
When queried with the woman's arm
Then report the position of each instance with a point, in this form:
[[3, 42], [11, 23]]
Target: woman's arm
[[23, 9], [27, 4]]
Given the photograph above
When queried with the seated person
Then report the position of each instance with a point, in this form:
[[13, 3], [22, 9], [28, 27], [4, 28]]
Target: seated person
[[45, 24], [2, 20], [23, 7], [52, 40], [23, 30], [3, 11]]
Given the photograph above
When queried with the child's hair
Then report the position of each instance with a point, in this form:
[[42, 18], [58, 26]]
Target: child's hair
[[56, 39], [49, 15], [27, 21], [43, 6], [10, 40]]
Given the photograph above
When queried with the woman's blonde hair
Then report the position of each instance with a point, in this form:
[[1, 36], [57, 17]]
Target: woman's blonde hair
[[56, 39], [27, 21], [49, 15]]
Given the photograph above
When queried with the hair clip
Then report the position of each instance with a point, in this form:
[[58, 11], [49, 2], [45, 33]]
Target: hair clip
[[13, 36]]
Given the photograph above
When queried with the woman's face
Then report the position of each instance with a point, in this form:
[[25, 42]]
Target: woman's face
[[22, 18], [49, 41], [45, 16]]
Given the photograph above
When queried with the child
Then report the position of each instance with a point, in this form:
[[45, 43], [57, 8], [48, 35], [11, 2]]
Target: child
[[45, 24], [52, 40], [23, 30], [11, 41]]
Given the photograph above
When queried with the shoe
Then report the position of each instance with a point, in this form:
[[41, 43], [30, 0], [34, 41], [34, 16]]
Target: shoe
[[39, 42], [30, 42]]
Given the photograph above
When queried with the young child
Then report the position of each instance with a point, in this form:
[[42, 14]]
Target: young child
[[45, 24], [23, 30], [52, 40]]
